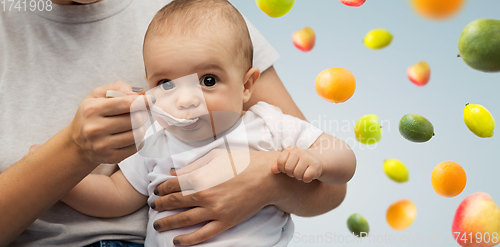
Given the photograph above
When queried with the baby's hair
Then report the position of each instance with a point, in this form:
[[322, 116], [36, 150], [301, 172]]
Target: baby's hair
[[190, 17]]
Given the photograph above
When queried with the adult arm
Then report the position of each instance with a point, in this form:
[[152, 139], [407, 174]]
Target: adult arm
[[101, 132], [270, 89], [105, 196]]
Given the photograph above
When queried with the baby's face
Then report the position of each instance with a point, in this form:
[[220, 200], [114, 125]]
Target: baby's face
[[215, 96]]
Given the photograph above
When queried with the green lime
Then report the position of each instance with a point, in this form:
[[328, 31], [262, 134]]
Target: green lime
[[416, 128], [479, 120], [358, 225], [396, 170]]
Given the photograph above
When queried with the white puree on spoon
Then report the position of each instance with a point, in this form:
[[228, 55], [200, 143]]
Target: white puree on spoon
[[171, 120]]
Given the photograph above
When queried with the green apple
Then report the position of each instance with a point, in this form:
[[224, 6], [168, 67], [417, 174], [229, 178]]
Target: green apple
[[275, 8], [368, 130]]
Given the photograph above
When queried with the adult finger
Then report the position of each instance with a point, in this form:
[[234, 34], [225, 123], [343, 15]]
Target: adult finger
[[186, 218], [123, 105], [118, 86], [208, 231], [125, 122], [175, 201], [172, 185], [122, 140], [117, 155], [202, 161]]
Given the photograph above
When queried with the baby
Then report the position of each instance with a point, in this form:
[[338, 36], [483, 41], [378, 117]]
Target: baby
[[198, 58]]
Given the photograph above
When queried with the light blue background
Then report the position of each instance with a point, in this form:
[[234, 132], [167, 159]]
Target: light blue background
[[384, 89]]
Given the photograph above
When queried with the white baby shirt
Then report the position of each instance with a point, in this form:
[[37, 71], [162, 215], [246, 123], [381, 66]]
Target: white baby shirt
[[262, 128]]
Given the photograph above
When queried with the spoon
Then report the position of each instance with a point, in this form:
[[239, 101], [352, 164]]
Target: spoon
[[171, 120]]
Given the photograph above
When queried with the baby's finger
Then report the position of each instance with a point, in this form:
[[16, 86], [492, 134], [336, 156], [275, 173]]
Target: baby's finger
[[32, 149], [275, 169], [281, 161], [291, 162], [300, 169], [310, 174]]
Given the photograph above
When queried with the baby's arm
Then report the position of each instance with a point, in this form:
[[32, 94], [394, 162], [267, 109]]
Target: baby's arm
[[103, 196], [330, 160]]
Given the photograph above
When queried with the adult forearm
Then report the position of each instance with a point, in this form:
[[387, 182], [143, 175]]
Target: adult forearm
[[306, 199], [270, 89], [36, 182]]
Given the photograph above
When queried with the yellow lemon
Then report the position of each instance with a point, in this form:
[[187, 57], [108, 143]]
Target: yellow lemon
[[479, 120], [377, 39], [396, 170]]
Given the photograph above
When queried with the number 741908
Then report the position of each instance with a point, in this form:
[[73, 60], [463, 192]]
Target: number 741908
[[477, 237], [25, 5]]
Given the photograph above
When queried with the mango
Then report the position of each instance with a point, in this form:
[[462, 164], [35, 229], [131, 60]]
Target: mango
[[479, 45]]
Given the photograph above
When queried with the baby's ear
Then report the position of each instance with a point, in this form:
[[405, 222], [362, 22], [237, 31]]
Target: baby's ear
[[251, 77]]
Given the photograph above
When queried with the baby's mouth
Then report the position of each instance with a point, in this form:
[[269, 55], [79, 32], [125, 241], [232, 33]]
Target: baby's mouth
[[171, 120], [191, 126]]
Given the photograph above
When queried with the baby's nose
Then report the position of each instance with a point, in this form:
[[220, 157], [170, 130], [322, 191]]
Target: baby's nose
[[188, 100]]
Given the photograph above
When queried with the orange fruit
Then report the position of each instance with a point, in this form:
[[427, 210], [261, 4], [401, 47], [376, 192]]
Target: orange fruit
[[401, 214], [448, 179], [335, 85], [437, 9]]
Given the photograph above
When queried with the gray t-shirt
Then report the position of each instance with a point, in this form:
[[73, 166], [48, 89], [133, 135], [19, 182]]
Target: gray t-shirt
[[51, 60]]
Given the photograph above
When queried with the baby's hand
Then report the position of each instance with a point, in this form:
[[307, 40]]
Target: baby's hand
[[32, 149], [299, 163]]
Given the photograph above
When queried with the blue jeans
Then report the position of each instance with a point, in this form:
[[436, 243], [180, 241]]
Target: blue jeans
[[114, 243]]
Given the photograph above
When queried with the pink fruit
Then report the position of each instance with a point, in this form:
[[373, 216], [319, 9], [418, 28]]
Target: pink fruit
[[477, 221], [419, 73], [304, 39], [353, 3]]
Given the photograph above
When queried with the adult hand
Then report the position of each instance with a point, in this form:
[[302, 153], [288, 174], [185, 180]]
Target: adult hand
[[101, 132], [224, 205], [103, 128]]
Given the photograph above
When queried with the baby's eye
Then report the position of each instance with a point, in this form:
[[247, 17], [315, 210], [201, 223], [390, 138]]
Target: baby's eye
[[208, 81], [166, 84]]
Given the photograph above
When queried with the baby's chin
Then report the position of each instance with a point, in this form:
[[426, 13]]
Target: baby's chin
[[199, 131]]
